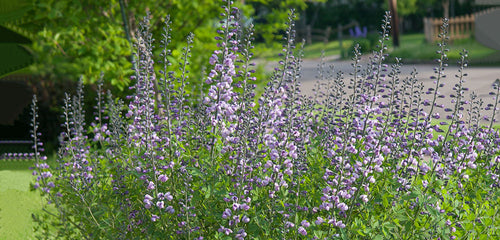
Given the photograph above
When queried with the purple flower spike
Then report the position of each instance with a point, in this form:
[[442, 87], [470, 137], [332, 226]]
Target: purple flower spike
[[162, 178], [302, 231], [226, 214]]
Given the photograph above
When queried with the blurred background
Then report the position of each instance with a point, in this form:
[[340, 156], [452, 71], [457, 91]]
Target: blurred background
[[47, 45]]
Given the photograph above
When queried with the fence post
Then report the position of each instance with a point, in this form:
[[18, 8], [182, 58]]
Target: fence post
[[308, 34], [460, 27], [426, 29], [327, 34], [436, 28], [339, 37], [469, 21]]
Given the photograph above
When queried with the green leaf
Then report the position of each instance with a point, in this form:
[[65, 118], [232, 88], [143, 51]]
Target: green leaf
[[195, 172], [390, 225], [434, 212], [385, 201], [318, 233], [468, 226], [207, 190], [12, 11], [412, 195], [379, 237]]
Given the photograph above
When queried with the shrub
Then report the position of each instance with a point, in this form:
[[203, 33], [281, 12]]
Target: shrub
[[367, 44], [362, 44], [362, 160]]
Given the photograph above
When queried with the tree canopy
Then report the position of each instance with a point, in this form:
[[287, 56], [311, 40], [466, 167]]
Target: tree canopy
[[84, 38]]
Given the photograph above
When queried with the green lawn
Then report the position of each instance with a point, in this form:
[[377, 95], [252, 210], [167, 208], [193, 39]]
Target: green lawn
[[17, 202], [311, 51], [413, 48]]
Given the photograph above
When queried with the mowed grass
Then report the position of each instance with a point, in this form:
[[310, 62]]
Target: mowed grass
[[311, 51], [414, 48], [17, 202]]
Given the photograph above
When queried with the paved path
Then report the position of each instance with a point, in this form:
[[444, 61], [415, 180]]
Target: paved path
[[479, 79]]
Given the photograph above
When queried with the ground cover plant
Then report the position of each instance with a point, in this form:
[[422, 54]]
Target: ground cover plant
[[359, 160]]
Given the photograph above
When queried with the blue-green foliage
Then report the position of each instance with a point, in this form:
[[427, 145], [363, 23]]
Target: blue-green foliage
[[358, 160]]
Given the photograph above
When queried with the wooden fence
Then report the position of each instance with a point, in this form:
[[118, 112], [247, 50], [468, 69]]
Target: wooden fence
[[317, 34], [312, 34], [461, 27]]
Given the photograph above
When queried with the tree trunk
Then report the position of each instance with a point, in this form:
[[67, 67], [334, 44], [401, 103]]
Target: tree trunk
[[394, 22], [446, 9]]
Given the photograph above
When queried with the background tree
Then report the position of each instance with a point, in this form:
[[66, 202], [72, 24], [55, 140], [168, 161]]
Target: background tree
[[332, 12], [369, 12], [84, 38], [393, 8]]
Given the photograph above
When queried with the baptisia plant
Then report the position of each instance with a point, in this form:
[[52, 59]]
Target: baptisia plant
[[366, 157]]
